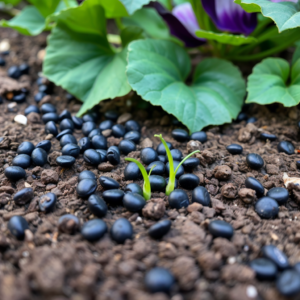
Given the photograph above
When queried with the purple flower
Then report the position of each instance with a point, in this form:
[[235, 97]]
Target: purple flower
[[182, 23], [229, 16], [295, 1]]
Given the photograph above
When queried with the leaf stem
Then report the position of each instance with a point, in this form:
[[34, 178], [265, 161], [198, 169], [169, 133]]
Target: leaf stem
[[119, 24], [67, 3]]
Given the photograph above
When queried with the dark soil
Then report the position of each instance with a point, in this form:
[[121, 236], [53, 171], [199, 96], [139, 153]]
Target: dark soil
[[56, 266]]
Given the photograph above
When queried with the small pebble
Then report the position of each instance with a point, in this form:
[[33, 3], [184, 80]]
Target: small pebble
[[17, 226], [178, 199], [121, 230], [158, 230], [219, 228], [94, 230]]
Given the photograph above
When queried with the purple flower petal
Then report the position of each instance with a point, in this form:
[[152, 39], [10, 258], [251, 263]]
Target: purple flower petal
[[229, 16], [182, 23], [295, 1]]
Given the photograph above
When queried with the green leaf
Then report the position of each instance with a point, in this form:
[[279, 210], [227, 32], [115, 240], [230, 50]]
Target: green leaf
[[272, 81], [285, 14], [134, 5], [296, 54], [45, 7], [157, 71], [80, 59], [226, 38], [131, 33], [12, 2]]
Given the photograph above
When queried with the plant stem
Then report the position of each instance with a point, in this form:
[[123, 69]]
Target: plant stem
[[114, 39], [67, 3], [119, 24], [200, 13]]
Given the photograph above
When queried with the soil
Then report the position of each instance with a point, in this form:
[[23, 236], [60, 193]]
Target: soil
[[51, 265]]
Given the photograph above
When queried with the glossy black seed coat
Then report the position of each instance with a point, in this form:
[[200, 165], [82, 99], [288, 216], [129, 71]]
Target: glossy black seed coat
[[220, 228], [133, 188], [180, 135], [39, 96], [20, 98], [176, 183], [161, 150], [251, 120], [191, 163], [180, 170], [148, 155], [14, 72], [97, 206], [65, 161], [68, 224], [178, 199], [133, 136], [159, 280], [254, 161], [113, 155], [50, 117], [111, 115], [176, 154], [66, 124], [162, 158], [107, 124], [17, 226], [127, 146], [108, 183], [242, 117], [39, 157], [22, 160], [71, 150], [30, 109], [103, 154], [280, 194], [92, 157], [87, 175], [84, 144], [94, 230], [67, 139], [94, 132], [159, 169], [200, 136], [87, 127], [24, 69], [254, 184], [25, 148], [133, 202], [78, 122], [132, 172], [298, 164], [47, 202], [46, 145], [158, 230], [50, 127], [264, 268], [99, 142], [234, 149], [121, 230], [189, 181], [90, 117], [118, 130], [47, 108], [14, 173], [276, 256], [86, 187], [286, 147], [158, 183], [132, 125], [64, 132], [65, 114], [267, 208], [201, 195], [23, 196], [113, 197], [267, 136], [288, 283]]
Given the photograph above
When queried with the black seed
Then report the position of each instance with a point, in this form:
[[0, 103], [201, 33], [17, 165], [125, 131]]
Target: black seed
[[65, 161], [86, 187], [267, 136], [276, 256], [158, 183], [121, 230], [133, 202], [50, 117], [40, 81], [2, 62], [180, 135], [161, 150], [286, 147], [19, 98], [25, 148], [264, 268], [24, 196], [220, 228], [288, 283], [201, 195], [103, 154], [118, 130], [108, 183], [158, 230], [66, 124], [14, 173], [48, 108], [22, 160], [51, 128], [99, 142], [113, 197], [92, 157], [113, 155], [200, 136], [71, 150], [127, 146], [17, 226], [267, 208], [68, 224], [254, 184], [65, 115], [148, 155], [46, 145], [87, 127], [67, 139], [97, 206], [14, 72], [47, 89], [91, 117], [254, 161], [191, 163], [47, 202], [162, 158], [159, 169], [132, 171], [108, 124], [298, 164], [189, 181], [111, 115], [78, 122], [178, 199], [94, 132], [30, 109], [176, 154], [87, 175], [132, 125], [39, 157], [175, 164], [64, 132], [297, 267], [84, 144], [234, 149], [280, 194], [242, 117], [159, 280], [39, 96], [251, 120], [94, 230], [24, 69], [134, 188], [133, 136], [176, 183]]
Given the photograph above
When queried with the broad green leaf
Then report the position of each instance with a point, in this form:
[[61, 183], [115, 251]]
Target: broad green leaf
[[131, 33], [45, 7], [12, 2], [272, 81], [286, 15], [166, 3], [80, 59], [134, 5], [296, 54], [226, 38], [157, 70]]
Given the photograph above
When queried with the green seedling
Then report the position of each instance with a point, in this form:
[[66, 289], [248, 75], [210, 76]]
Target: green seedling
[[147, 185], [172, 174]]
